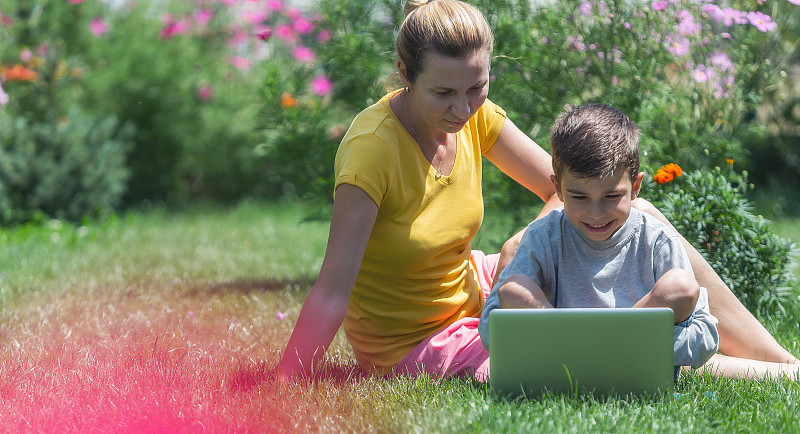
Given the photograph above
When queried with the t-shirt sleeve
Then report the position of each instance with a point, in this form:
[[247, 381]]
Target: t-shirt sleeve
[[669, 254], [490, 120], [362, 161]]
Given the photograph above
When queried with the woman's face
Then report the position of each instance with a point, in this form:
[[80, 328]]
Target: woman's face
[[450, 90]]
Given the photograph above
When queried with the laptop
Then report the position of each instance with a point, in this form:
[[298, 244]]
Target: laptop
[[601, 351]]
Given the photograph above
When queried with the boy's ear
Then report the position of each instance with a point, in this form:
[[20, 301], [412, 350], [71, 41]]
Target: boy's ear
[[557, 186], [637, 185]]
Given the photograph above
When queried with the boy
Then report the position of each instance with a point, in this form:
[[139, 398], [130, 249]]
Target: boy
[[598, 251]]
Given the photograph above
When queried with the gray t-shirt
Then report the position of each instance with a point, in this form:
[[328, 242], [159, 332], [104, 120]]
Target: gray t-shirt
[[575, 271]]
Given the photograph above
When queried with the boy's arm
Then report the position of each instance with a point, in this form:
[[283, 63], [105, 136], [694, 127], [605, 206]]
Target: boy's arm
[[521, 291], [696, 339]]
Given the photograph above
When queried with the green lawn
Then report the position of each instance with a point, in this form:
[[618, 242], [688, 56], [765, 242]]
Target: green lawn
[[175, 320]]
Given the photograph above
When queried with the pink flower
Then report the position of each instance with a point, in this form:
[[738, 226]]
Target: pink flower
[[203, 16], [98, 27], [321, 85], [303, 26], [678, 47], [794, 2], [702, 74], [285, 32], [205, 92], [721, 60], [659, 5], [731, 16], [240, 63], [172, 28], [237, 38], [714, 11], [254, 17], [25, 55], [293, 14], [75, 2], [275, 5], [265, 34], [687, 25], [280, 315], [722, 88], [576, 43], [3, 96], [585, 8], [627, 25], [761, 21], [323, 36], [303, 54]]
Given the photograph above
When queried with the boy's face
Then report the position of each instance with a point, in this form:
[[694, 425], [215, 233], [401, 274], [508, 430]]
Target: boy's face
[[598, 208]]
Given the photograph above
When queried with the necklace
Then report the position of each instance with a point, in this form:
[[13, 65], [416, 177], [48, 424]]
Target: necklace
[[438, 146]]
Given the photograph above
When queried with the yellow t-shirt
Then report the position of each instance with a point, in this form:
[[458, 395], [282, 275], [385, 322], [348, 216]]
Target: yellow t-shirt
[[416, 276]]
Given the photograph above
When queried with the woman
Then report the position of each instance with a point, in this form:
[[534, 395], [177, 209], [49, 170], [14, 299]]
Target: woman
[[398, 272]]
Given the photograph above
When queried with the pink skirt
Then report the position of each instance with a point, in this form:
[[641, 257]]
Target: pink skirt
[[455, 350]]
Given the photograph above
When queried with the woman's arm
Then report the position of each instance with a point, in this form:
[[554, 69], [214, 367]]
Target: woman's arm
[[324, 309], [531, 166], [523, 160]]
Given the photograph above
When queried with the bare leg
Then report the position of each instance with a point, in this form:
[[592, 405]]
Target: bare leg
[[734, 367], [740, 333]]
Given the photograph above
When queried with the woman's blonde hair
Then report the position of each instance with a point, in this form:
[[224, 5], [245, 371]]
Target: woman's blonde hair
[[452, 28]]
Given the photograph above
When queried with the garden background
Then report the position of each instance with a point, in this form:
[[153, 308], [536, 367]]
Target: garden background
[[163, 156]]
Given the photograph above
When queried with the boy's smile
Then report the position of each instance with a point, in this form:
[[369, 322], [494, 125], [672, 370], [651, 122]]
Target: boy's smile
[[597, 207]]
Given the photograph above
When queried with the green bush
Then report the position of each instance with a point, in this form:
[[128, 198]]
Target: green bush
[[300, 128], [710, 209], [72, 169], [57, 159]]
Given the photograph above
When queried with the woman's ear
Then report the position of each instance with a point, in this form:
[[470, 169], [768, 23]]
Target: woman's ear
[[403, 71], [637, 185]]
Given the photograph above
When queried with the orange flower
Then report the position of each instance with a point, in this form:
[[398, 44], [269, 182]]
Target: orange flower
[[673, 169], [662, 176], [18, 73], [287, 100], [730, 161]]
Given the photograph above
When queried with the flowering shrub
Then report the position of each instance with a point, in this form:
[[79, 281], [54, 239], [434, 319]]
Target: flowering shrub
[[710, 209]]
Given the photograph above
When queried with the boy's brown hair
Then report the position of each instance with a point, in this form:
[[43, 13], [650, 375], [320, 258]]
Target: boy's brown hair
[[593, 140]]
